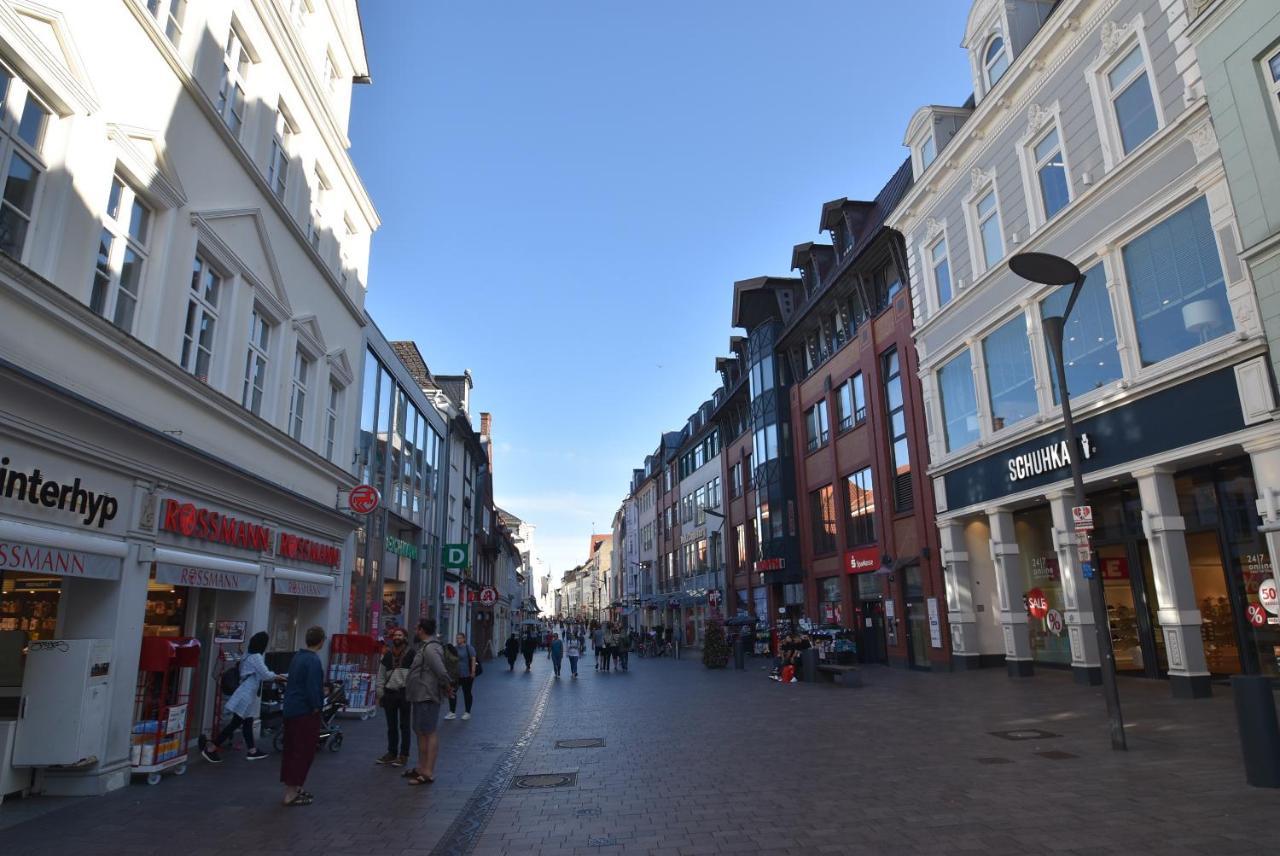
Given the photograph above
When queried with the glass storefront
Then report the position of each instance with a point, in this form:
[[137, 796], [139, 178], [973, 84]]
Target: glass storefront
[[30, 604], [1042, 586], [830, 605], [166, 610]]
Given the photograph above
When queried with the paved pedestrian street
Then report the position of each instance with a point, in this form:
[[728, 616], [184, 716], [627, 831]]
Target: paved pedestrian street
[[695, 761]]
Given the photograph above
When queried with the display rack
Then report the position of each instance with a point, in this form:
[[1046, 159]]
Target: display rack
[[162, 706], [835, 643], [228, 657], [353, 662]]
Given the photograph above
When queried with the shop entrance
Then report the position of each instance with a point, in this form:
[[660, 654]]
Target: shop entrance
[[871, 647], [917, 618], [1124, 563]]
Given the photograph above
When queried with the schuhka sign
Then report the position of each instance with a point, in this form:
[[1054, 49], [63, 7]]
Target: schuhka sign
[[194, 521]]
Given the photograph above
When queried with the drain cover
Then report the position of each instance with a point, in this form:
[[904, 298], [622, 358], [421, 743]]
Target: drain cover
[[588, 812], [601, 841], [580, 743], [1024, 734], [1055, 755], [993, 760], [545, 780]]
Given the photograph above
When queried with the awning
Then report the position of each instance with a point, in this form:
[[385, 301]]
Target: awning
[[201, 570], [302, 583]]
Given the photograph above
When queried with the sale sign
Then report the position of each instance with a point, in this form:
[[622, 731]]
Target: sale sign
[[1257, 615], [1269, 594], [1037, 603]]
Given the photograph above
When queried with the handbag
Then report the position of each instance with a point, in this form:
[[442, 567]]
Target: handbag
[[479, 669]]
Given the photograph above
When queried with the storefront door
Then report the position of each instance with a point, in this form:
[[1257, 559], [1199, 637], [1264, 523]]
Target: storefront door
[[871, 647], [917, 618], [1131, 608]]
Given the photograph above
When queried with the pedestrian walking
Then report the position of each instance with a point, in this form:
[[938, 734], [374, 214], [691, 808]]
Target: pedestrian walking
[[466, 678], [245, 703], [427, 687], [393, 675], [512, 650], [556, 649], [574, 650], [597, 644], [624, 650], [610, 645], [303, 699], [528, 647]]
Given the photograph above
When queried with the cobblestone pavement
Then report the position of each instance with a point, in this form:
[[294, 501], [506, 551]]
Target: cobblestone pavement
[[728, 762]]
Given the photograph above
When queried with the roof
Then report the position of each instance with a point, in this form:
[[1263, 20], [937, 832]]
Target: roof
[[412, 358], [508, 519]]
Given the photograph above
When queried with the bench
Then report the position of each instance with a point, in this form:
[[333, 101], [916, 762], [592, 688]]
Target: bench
[[841, 676]]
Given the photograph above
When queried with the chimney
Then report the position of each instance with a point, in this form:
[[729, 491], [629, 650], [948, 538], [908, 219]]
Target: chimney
[[486, 423]]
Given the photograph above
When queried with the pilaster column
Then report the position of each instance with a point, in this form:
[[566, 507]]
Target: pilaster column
[[965, 653], [1077, 599], [1009, 588], [1178, 614]]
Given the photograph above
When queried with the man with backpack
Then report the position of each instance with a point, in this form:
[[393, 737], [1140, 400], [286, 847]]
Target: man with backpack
[[393, 674], [427, 687]]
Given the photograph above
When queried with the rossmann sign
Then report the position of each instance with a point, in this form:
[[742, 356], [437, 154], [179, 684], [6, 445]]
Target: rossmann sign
[[194, 521]]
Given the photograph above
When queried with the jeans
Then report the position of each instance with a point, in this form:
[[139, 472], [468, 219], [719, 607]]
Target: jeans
[[623, 656], [465, 683], [397, 713], [555, 664], [237, 721], [573, 666]]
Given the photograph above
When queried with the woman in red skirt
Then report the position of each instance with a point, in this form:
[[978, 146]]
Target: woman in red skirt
[[303, 699]]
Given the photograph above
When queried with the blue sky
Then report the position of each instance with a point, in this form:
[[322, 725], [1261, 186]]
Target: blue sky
[[569, 189]]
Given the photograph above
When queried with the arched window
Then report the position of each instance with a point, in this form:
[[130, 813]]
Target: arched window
[[996, 61]]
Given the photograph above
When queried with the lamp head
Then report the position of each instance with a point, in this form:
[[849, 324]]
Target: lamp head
[[1044, 268]]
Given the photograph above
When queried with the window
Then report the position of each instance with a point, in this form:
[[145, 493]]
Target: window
[[331, 420], [1051, 174], [298, 398], [1176, 285], [959, 403], [928, 152], [21, 135], [255, 362], [297, 12], [988, 218], [735, 481], [1132, 101], [995, 61], [1273, 81], [1011, 383], [766, 444], [761, 379], [900, 457], [860, 509], [740, 545], [770, 525], [941, 268], [817, 427], [169, 15], [202, 319], [122, 252], [747, 477], [278, 161], [822, 518], [851, 402], [235, 71], [331, 75], [1089, 340]]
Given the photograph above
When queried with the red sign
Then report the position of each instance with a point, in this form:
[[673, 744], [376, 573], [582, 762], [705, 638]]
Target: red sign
[[363, 499], [862, 560], [1257, 615], [450, 592], [1037, 603], [193, 521], [488, 595], [1115, 568], [306, 550], [770, 564]]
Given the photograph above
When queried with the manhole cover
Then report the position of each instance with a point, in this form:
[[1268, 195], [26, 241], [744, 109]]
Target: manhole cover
[[993, 760], [580, 743], [1024, 734], [602, 841], [588, 812], [545, 780], [1055, 755]]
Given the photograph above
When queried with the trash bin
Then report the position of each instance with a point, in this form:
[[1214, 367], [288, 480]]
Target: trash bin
[[1259, 731], [808, 665], [740, 652]]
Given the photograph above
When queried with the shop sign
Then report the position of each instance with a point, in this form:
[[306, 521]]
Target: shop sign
[[35, 559], [176, 720], [1046, 459], [1115, 568], [229, 632], [456, 555], [299, 588], [35, 489], [1053, 622], [770, 564], [363, 499], [488, 595], [935, 624], [194, 521], [307, 550], [450, 592], [182, 575], [1037, 603], [1257, 615], [401, 548], [1269, 595], [862, 560]]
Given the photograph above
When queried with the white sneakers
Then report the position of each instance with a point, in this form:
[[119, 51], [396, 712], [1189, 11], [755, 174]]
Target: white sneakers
[[466, 716], [450, 715]]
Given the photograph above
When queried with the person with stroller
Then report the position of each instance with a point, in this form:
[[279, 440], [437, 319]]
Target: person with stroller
[[466, 678], [512, 650], [303, 702], [393, 674], [244, 703], [528, 647], [556, 649]]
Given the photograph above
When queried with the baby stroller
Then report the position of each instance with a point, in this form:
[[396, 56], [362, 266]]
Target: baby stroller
[[335, 701]]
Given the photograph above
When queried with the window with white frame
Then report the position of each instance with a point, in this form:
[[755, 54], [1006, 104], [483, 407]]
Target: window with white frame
[[1051, 174], [169, 15], [995, 61], [319, 197], [256, 360], [333, 408], [331, 75], [122, 253], [959, 403], [851, 403], [23, 119], [1176, 287], [278, 159], [817, 428], [298, 10], [987, 220], [1132, 100], [1089, 339], [298, 396], [941, 269], [1011, 382], [235, 72], [928, 152], [198, 335], [1272, 72]]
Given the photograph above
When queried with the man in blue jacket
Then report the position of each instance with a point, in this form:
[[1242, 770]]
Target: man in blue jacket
[[303, 699]]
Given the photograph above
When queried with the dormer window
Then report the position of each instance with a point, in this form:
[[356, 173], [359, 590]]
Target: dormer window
[[996, 61], [928, 152]]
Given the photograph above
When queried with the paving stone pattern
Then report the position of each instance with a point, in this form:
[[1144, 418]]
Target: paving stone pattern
[[728, 762]]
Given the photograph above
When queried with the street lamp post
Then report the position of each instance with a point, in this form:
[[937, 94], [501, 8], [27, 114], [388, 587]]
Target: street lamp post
[[1054, 270]]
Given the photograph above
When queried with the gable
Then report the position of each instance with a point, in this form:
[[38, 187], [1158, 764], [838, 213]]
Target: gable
[[39, 44], [241, 237]]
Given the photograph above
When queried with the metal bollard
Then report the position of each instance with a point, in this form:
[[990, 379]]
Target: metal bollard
[[1259, 731], [740, 653], [809, 666]]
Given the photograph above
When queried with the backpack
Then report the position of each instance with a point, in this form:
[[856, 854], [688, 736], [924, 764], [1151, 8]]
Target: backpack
[[230, 680], [451, 661]]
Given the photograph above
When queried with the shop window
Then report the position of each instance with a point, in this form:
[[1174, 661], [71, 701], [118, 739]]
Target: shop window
[[1176, 285], [30, 604], [1042, 585], [1089, 339], [1011, 383], [822, 519], [959, 404], [830, 606], [166, 613]]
